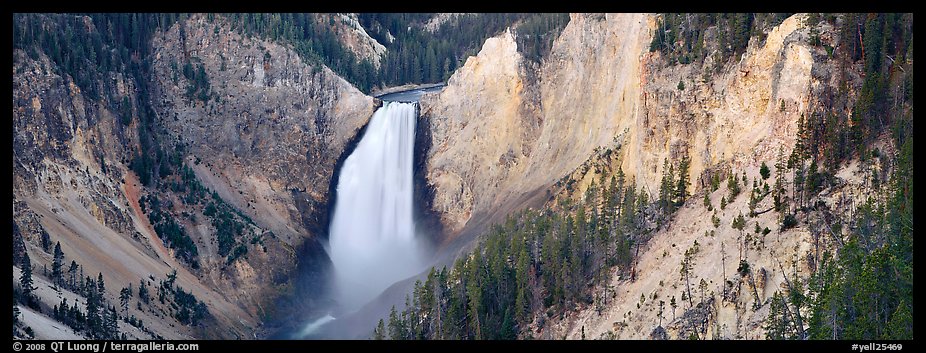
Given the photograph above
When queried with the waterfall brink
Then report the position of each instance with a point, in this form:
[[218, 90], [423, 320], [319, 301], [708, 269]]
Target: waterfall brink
[[372, 240]]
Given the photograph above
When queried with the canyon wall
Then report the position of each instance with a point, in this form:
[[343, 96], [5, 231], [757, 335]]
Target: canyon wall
[[265, 139], [506, 129]]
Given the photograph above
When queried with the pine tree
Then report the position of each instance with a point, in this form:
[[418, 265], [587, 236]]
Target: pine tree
[[685, 271], [25, 277], [396, 326], [779, 194], [901, 324], [46, 241], [19, 247], [72, 274], [111, 323], [56, 273], [508, 331], [667, 188], [702, 286], [733, 186], [142, 291], [101, 287], [681, 188], [764, 171], [94, 320], [778, 325], [522, 305], [473, 289], [124, 295], [739, 223], [379, 331]]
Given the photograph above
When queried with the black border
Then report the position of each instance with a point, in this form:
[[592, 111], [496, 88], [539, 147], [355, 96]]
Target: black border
[[512, 346], [498, 6], [461, 6]]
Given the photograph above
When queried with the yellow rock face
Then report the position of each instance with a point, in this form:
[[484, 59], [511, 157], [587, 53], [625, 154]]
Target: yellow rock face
[[505, 129]]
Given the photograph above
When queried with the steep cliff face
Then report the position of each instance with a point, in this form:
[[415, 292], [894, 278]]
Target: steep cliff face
[[265, 136], [526, 127], [479, 137], [272, 130], [503, 131], [741, 115]]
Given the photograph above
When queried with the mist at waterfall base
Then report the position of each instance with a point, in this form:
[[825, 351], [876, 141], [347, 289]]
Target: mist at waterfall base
[[372, 240]]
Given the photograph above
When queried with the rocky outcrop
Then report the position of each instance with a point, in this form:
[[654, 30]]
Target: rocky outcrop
[[741, 115], [63, 139], [434, 23], [354, 37]]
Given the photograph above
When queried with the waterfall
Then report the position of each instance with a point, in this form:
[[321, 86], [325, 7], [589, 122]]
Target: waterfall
[[372, 240]]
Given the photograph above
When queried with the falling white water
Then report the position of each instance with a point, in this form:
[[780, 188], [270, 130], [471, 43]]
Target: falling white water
[[372, 239]]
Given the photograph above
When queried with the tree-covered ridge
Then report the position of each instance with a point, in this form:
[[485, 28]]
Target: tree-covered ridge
[[537, 264], [96, 317], [121, 42], [87, 48], [416, 55], [681, 36], [863, 289], [233, 229], [413, 53], [536, 33]]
